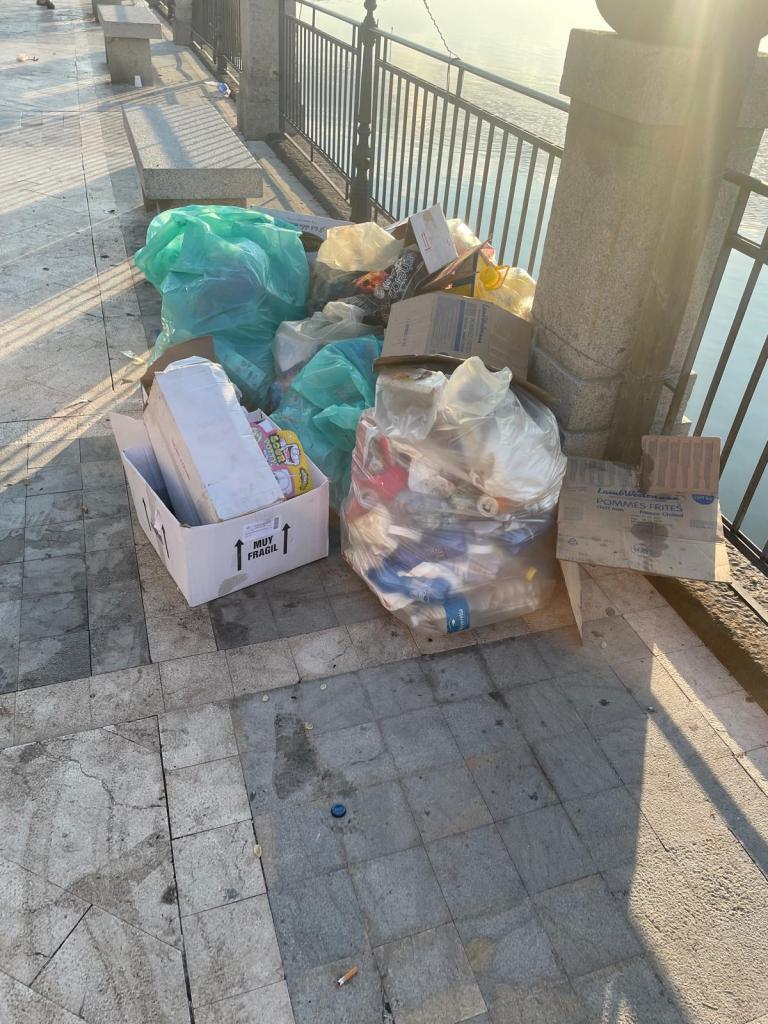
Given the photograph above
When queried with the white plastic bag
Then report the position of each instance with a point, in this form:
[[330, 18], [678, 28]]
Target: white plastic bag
[[346, 254], [296, 341]]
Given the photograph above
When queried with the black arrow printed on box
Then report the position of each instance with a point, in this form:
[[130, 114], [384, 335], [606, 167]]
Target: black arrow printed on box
[[239, 546], [286, 528]]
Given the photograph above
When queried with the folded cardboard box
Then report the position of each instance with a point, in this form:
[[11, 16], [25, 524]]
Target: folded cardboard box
[[211, 463], [209, 561], [453, 325], [429, 231], [606, 517]]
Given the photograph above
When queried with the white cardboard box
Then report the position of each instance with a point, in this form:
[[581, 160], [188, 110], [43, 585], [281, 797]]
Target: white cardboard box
[[209, 561], [211, 462]]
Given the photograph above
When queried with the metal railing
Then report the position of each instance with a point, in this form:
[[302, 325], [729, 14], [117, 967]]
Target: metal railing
[[216, 35], [735, 402], [432, 138]]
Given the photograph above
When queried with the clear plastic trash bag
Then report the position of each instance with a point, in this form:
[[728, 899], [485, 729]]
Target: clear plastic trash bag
[[346, 254], [324, 403], [232, 273], [450, 517]]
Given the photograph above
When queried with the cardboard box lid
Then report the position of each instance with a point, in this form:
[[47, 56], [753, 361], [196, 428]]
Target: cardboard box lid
[[441, 322], [680, 465], [428, 229]]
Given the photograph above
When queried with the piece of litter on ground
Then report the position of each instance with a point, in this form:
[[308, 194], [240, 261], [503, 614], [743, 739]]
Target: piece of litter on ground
[[257, 850], [137, 81], [265, 697], [338, 810], [346, 977], [603, 644], [23, 58], [308, 726], [130, 354], [323, 686]]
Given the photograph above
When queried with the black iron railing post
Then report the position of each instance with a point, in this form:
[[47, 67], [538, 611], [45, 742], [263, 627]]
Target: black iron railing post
[[360, 191]]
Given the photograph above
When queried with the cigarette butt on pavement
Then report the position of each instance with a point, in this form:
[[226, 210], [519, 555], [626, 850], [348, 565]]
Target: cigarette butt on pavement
[[346, 977]]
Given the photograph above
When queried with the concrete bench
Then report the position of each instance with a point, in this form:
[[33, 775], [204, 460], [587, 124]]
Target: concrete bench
[[127, 31], [189, 154], [95, 5]]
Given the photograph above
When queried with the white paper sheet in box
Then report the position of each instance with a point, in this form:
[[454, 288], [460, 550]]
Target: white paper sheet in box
[[209, 561]]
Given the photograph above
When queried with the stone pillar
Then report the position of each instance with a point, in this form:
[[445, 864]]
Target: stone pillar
[[182, 22], [625, 152], [258, 95]]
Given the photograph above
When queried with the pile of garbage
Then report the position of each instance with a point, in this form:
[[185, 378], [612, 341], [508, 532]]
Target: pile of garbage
[[450, 518], [446, 480]]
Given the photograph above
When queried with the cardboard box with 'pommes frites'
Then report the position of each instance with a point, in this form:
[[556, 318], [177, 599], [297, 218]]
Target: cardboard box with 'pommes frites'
[[441, 323]]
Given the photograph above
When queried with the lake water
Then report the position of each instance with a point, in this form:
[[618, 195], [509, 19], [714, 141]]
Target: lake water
[[527, 43]]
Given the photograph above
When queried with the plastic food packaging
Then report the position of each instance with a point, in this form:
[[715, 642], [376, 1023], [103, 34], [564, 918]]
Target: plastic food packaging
[[346, 254], [230, 273], [296, 341], [450, 517], [284, 454], [509, 287], [324, 403]]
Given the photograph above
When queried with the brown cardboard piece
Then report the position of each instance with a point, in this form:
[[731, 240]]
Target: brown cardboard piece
[[606, 518], [453, 325], [428, 229], [680, 465], [202, 346]]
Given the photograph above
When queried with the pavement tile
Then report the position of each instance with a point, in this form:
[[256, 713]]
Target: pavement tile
[[650, 684], [61, 453], [574, 764], [317, 1000], [105, 502], [205, 796], [545, 848], [126, 695], [510, 783], [105, 568], [9, 667], [47, 711], [53, 575], [254, 718], [244, 617], [444, 801], [7, 718], [10, 581], [475, 872], [318, 921], [515, 662], [334, 703], [337, 578], [54, 479], [11, 545], [382, 641], [108, 533], [37, 917], [419, 740], [428, 978], [269, 1004], [662, 630], [51, 615], [10, 621], [118, 605], [399, 895], [294, 614], [358, 606], [98, 449], [509, 953], [378, 821], [102, 473], [585, 926], [196, 735], [119, 647], [699, 673], [306, 581], [613, 639], [327, 653], [634, 988], [612, 827], [298, 842], [180, 635], [47, 509], [542, 711], [396, 688], [162, 597], [739, 720], [600, 700], [351, 758], [457, 675], [231, 950], [97, 968], [20, 1003], [264, 666], [53, 540], [198, 679], [54, 659]]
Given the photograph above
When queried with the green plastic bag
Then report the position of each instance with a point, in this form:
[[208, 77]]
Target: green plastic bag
[[324, 403], [232, 273]]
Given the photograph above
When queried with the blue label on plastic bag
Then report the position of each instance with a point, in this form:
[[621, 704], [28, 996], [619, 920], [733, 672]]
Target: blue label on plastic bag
[[456, 614]]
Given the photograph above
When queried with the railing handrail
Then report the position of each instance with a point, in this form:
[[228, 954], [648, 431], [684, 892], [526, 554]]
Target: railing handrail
[[747, 181], [454, 62]]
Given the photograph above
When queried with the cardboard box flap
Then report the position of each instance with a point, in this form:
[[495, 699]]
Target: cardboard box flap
[[429, 231], [680, 465], [202, 346]]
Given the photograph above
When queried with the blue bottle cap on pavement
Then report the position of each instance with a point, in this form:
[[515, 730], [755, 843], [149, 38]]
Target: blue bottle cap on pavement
[[338, 810]]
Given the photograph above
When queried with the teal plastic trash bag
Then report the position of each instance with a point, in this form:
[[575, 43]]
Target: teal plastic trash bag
[[325, 402], [232, 273]]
